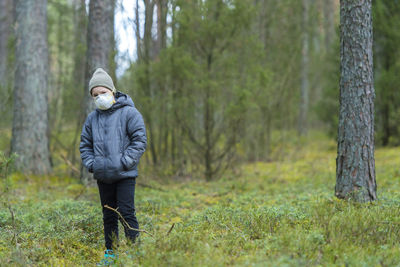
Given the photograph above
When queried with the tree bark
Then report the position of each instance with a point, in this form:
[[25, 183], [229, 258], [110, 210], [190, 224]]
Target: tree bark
[[164, 123], [6, 21], [329, 22], [137, 32], [355, 163], [162, 9], [302, 126], [80, 33], [100, 39], [30, 123], [146, 57]]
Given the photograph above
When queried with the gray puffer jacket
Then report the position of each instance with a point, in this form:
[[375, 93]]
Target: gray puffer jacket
[[113, 140]]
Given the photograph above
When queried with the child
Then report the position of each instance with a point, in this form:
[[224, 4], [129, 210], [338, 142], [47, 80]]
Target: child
[[112, 141]]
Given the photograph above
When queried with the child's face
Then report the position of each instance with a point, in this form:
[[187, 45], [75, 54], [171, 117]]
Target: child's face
[[99, 90]]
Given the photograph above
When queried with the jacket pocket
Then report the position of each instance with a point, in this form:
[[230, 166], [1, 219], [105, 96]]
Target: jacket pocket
[[123, 163], [97, 165], [127, 162]]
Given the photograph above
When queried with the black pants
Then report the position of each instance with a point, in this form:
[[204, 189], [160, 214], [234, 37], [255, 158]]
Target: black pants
[[119, 195]]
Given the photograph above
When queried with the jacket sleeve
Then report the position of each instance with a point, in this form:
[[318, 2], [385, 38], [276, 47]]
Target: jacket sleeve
[[137, 137], [86, 145]]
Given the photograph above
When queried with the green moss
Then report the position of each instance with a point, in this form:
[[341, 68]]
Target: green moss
[[280, 213]]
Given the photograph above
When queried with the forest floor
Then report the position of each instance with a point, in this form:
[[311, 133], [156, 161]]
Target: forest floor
[[279, 213]]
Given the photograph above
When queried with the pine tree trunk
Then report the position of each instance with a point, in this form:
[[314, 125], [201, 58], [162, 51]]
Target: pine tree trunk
[[329, 22], [302, 126], [6, 21], [355, 163], [30, 122], [80, 26], [137, 32], [162, 88], [146, 57], [100, 39], [80, 33], [162, 10]]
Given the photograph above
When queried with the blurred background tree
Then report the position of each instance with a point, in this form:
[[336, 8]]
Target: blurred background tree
[[386, 67], [218, 82], [30, 128], [6, 60]]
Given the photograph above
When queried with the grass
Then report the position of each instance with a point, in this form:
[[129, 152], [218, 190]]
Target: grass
[[280, 213]]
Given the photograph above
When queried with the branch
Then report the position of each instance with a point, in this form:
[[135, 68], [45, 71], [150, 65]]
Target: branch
[[188, 131], [151, 187], [14, 227], [124, 222], [69, 163], [170, 229]]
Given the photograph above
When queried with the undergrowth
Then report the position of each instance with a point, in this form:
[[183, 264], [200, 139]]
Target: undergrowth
[[280, 213]]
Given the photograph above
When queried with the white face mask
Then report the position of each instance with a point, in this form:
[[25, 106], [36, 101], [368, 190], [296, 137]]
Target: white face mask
[[104, 101]]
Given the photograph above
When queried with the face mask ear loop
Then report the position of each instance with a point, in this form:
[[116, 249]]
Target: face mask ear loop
[[113, 98]]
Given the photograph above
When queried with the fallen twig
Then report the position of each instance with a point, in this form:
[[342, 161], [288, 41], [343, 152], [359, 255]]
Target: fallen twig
[[151, 187], [170, 229], [220, 194], [397, 223], [69, 163], [125, 222], [80, 193]]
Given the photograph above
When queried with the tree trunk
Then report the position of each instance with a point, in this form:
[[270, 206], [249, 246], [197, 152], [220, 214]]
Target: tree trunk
[[100, 38], [164, 123], [6, 60], [148, 25], [146, 57], [355, 164], [30, 123], [162, 9], [80, 26], [302, 126], [137, 32], [6, 21], [207, 124], [329, 23]]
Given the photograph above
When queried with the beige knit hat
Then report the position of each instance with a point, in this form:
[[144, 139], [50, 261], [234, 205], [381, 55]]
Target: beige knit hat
[[101, 78]]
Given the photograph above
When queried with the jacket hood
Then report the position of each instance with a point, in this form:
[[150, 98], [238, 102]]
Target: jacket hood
[[122, 100]]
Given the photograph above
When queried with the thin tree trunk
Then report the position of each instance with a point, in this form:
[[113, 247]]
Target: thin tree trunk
[[30, 123], [355, 163], [208, 124], [329, 22], [100, 38], [137, 32], [176, 137], [147, 41], [80, 26], [386, 123], [303, 114], [162, 8], [148, 25], [55, 118]]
